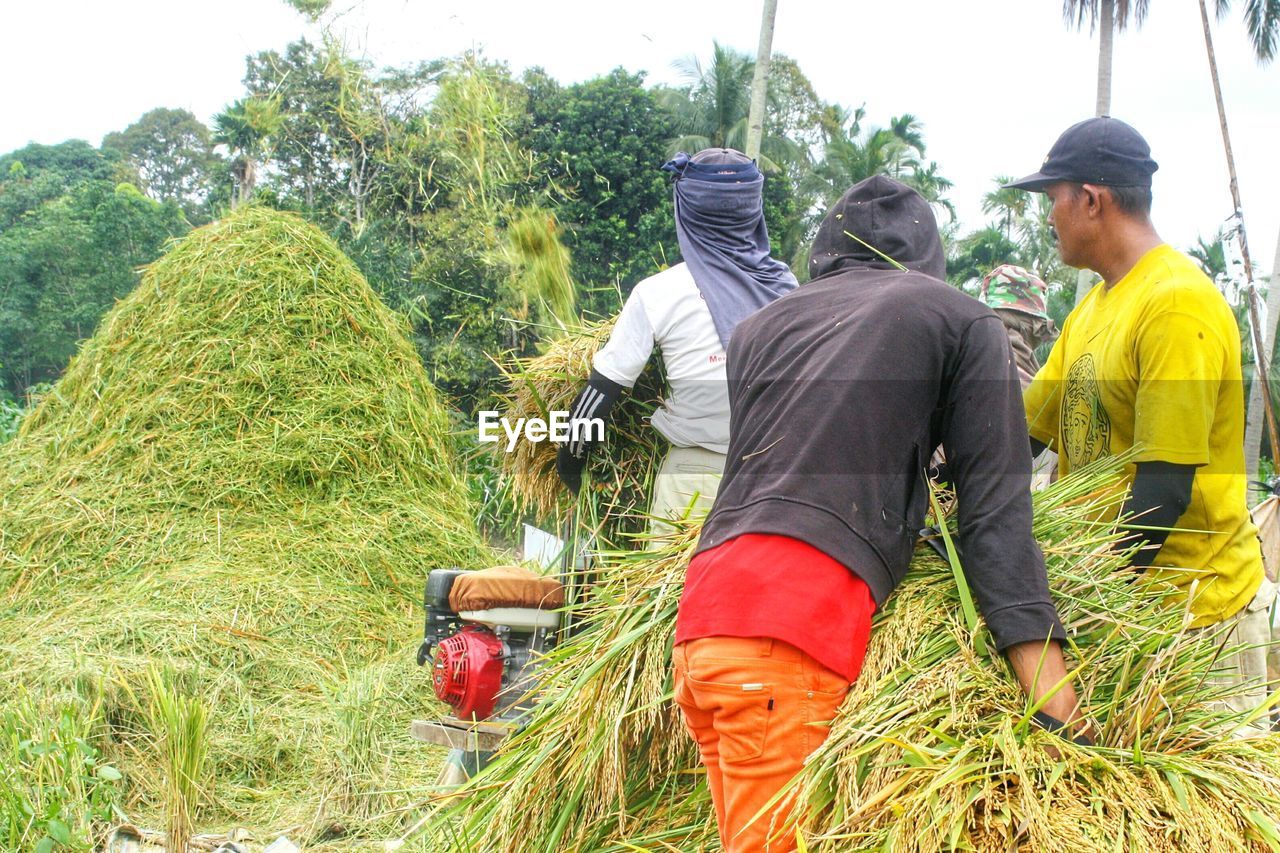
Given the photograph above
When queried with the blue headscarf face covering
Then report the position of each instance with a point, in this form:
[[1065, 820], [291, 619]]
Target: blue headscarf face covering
[[720, 227]]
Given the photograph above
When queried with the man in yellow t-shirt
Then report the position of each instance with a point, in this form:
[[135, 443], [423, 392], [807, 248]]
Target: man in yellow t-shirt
[[1151, 357]]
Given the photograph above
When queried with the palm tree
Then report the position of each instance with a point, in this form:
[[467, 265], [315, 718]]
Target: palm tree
[[1108, 17], [1010, 206], [926, 181], [760, 80], [246, 127], [851, 154], [975, 254], [713, 110], [1211, 258]]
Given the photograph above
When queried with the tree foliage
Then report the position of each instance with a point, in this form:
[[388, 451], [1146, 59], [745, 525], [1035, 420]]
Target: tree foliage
[[603, 142], [65, 263], [1079, 12], [171, 153], [487, 209], [712, 109], [1018, 233], [247, 128]]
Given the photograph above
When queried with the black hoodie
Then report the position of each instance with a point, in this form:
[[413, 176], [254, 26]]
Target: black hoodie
[[841, 391]]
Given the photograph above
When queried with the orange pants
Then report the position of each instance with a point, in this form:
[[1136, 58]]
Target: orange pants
[[757, 708]]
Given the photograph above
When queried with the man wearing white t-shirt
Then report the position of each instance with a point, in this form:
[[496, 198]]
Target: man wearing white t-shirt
[[688, 312]]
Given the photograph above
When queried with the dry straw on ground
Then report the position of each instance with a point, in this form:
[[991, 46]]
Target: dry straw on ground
[[243, 476], [933, 750]]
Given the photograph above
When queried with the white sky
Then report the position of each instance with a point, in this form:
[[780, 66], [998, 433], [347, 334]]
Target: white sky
[[994, 82]]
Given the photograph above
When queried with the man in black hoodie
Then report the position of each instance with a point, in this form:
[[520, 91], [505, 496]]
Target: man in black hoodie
[[839, 394]]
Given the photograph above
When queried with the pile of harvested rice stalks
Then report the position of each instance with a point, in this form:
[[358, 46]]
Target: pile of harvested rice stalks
[[932, 750], [615, 493], [242, 479]]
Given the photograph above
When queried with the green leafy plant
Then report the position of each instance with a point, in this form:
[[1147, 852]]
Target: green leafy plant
[[56, 789]]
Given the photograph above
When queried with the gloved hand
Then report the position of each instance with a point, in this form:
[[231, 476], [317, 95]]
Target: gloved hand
[[1052, 724], [593, 401], [569, 467]]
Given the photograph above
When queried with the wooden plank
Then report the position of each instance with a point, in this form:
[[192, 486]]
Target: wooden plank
[[456, 734]]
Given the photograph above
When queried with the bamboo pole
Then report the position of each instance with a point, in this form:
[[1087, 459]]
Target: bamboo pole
[[1260, 353]]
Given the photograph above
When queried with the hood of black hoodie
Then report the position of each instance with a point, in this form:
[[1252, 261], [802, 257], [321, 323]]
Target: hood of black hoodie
[[886, 218]]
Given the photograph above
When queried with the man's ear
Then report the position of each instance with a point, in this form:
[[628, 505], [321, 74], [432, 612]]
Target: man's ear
[[1093, 196]]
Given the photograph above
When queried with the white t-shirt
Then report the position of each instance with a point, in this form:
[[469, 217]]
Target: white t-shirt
[[667, 309]]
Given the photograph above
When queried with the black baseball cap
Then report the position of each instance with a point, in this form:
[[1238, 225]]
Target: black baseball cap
[[1103, 151]]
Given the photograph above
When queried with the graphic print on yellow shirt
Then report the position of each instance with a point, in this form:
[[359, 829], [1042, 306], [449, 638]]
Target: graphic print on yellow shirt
[[1086, 427], [1154, 361]]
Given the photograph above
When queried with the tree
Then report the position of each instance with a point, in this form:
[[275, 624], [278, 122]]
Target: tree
[[65, 263], [1108, 17], [1212, 259], [36, 174], [852, 153], [712, 111], [489, 271], [1009, 205], [332, 134], [760, 80], [849, 153], [1262, 21], [172, 154], [247, 127], [313, 9], [1018, 234], [975, 255], [603, 142]]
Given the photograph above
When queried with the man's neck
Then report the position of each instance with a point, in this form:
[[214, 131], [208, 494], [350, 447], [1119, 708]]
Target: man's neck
[[1131, 241]]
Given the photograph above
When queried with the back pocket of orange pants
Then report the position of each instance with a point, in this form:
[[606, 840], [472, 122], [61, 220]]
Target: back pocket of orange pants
[[739, 714]]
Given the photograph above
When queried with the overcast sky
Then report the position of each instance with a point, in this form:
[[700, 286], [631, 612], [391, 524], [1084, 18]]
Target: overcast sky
[[993, 81]]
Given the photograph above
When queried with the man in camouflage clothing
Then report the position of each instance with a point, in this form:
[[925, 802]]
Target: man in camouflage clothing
[[1018, 298]]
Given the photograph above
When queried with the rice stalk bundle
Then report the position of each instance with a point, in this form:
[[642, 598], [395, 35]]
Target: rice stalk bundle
[[932, 750], [179, 723], [616, 492], [242, 477], [540, 263]]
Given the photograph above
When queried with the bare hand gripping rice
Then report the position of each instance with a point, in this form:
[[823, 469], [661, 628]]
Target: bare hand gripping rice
[[242, 478]]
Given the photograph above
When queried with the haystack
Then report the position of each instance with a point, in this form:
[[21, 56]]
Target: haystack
[[242, 480], [933, 749]]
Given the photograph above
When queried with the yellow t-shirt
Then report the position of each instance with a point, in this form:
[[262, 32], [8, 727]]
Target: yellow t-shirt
[[1154, 360]]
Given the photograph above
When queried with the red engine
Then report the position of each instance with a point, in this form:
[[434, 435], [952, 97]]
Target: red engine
[[468, 671]]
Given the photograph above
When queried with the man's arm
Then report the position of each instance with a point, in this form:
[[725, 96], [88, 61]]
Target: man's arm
[[594, 401], [615, 368], [1040, 668], [1160, 494], [1182, 362], [985, 437]]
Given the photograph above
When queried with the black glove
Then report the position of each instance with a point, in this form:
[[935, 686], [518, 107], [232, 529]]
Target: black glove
[[594, 401], [1059, 728], [569, 467], [1160, 494]]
